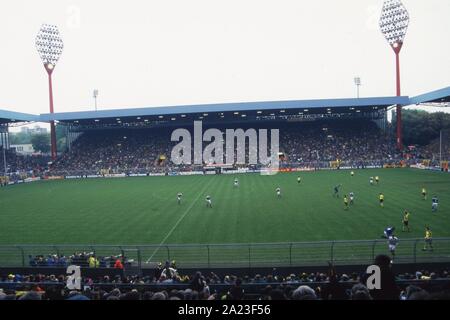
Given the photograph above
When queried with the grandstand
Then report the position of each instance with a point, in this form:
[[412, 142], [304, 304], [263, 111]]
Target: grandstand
[[150, 128]]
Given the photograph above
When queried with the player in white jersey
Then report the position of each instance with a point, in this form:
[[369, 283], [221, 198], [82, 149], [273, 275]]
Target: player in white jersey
[[392, 241], [434, 203], [179, 195], [208, 202], [352, 197], [371, 181], [236, 182], [278, 191]]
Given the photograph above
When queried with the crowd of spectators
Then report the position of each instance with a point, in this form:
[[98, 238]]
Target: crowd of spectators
[[346, 141], [436, 149], [118, 151], [167, 284], [82, 259], [21, 166], [149, 150]]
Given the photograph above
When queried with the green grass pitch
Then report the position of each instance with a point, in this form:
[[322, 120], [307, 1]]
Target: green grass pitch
[[145, 211]]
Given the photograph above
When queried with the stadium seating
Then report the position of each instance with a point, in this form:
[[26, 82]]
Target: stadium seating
[[139, 150], [19, 165], [167, 284]]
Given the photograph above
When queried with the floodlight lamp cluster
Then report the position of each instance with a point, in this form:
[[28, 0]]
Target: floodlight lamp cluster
[[394, 22], [49, 45]]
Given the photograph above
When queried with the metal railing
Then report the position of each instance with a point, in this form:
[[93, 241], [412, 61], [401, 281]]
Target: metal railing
[[237, 255]]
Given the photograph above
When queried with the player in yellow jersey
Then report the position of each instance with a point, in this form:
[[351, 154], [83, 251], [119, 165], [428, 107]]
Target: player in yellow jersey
[[377, 179], [428, 239], [381, 198], [345, 202], [424, 194], [405, 221]]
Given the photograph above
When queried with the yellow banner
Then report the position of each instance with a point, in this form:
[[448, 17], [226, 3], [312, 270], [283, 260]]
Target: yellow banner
[[335, 164]]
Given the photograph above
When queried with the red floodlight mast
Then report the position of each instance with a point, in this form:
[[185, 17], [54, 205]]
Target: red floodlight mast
[[394, 23], [49, 46]]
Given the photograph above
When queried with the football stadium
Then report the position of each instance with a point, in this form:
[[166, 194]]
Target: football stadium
[[168, 202]]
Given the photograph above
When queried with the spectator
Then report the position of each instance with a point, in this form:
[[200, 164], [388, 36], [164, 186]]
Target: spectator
[[158, 296], [304, 293], [169, 272], [93, 262], [31, 295], [50, 287], [389, 289], [198, 283], [118, 264], [360, 292], [237, 292]]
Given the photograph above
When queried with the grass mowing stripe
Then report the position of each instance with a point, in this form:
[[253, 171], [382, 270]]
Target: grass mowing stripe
[[179, 220]]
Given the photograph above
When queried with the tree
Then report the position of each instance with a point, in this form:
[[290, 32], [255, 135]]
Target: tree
[[421, 127], [20, 138], [41, 142]]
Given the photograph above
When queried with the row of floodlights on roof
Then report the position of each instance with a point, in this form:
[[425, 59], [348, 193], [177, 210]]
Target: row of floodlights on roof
[[221, 114]]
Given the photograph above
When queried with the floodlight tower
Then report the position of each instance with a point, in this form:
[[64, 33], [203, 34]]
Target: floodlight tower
[[50, 46], [394, 23], [95, 95], [357, 81]]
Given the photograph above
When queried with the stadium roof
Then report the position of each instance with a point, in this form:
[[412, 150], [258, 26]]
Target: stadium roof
[[250, 108], [11, 116], [220, 110], [438, 96]]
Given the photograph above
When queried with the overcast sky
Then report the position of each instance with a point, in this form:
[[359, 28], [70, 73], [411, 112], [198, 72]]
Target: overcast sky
[[171, 52]]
